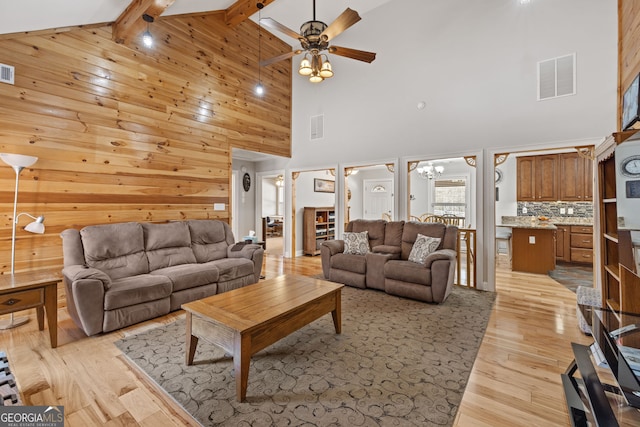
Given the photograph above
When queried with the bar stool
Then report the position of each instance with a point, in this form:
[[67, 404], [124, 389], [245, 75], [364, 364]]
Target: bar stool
[[503, 235]]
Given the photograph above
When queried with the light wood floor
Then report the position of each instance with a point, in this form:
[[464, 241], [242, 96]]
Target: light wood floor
[[515, 380]]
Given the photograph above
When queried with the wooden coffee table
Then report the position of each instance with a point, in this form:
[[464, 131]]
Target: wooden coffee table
[[246, 320]]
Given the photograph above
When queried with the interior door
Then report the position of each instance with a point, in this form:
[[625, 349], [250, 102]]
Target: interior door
[[378, 198]]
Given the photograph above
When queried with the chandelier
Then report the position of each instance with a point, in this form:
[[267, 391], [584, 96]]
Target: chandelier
[[279, 181], [429, 171], [314, 66]]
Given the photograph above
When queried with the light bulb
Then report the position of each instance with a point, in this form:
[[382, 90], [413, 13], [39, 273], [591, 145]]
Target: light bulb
[[259, 89], [147, 39]]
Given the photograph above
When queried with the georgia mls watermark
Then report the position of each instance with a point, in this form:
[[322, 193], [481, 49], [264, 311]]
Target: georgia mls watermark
[[31, 416]]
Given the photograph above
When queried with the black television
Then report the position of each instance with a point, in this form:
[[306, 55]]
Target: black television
[[631, 104]]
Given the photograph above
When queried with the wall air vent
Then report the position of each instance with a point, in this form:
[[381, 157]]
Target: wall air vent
[[6, 73], [557, 77], [317, 127]]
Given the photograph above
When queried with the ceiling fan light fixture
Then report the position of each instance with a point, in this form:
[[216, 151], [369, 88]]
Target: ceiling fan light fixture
[[326, 71], [316, 78], [305, 67]]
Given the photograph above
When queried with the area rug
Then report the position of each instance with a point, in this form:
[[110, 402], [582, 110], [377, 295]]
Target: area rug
[[397, 362]]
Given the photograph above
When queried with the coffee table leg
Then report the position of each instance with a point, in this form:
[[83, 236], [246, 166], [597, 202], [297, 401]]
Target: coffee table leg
[[241, 359], [191, 342], [51, 307], [337, 314]]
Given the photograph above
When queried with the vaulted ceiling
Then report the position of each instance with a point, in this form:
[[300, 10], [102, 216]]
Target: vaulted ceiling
[[35, 15]]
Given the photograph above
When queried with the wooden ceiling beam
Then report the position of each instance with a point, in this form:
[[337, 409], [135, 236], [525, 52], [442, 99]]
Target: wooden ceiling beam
[[130, 24], [242, 10]]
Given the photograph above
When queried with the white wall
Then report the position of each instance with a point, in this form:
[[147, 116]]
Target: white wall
[[244, 212], [507, 204], [474, 64], [269, 197]]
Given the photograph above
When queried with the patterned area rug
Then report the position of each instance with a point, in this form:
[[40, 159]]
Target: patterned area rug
[[397, 362], [573, 275]]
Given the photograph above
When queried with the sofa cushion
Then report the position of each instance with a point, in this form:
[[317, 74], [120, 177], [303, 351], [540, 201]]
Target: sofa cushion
[[187, 276], [411, 231], [393, 233], [116, 249], [232, 268], [375, 228], [167, 244], [407, 271], [422, 247], [353, 263], [136, 290], [210, 239], [356, 243]]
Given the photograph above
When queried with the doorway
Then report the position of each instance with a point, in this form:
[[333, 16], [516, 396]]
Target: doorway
[[521, 197], [377, 198]]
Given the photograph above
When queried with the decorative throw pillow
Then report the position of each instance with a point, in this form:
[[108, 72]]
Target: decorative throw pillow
[[422, 247], [356, 243]]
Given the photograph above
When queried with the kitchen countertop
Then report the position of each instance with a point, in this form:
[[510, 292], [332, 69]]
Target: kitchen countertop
[[533, 223]]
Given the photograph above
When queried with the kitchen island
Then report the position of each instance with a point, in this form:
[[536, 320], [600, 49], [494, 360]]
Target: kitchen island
[[533, 246]]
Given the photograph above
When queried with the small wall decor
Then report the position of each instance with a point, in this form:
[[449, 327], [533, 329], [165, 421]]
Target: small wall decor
[[633, 189], [246, 182], [323, 186]]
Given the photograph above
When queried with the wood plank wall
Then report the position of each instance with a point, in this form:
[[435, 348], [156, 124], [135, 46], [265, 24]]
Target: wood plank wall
[[133, 134], [628, 48]]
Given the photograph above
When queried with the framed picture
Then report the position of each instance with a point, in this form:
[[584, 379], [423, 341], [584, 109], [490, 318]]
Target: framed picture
[[323, 186], [630, 112]]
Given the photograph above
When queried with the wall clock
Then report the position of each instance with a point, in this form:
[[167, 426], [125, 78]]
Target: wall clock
[[630, 166], [246, 182]]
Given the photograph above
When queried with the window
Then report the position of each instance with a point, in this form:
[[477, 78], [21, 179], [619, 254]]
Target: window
[[450, 197]]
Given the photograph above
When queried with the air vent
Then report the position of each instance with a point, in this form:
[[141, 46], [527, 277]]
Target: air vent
[[317, 127], [557, 77], [6, 73]]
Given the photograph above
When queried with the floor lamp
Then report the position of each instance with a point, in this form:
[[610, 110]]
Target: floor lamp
[[19, 162]]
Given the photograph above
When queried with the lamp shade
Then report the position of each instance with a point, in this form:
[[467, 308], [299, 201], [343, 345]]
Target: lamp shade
[[305, 67], [18, 160], [36, 226], [326, 71]]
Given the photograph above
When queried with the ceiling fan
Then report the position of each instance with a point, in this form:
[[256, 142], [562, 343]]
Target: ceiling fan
[[314, 39]]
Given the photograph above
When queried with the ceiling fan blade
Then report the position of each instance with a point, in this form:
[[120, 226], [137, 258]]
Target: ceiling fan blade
[[282, 57], [342, 22], [360, 55], [275, 25]]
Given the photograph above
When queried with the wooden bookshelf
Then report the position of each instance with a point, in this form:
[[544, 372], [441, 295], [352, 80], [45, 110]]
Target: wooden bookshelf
[[319, 225]]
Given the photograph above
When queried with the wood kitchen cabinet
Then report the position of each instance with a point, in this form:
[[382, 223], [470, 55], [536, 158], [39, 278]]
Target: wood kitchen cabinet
[[553, 177], [537, 178], [563, 240], [576, 178]]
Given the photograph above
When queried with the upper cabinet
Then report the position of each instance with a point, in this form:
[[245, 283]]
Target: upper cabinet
[[553, 177], [576, 178]]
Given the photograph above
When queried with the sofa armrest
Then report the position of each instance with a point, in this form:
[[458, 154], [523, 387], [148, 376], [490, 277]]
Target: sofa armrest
[[85, 288], [249, 251], [442, 254], [334, 246], [328, 249], [76, 272]]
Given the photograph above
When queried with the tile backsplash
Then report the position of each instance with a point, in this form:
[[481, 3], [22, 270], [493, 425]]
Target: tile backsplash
[[552, 209]]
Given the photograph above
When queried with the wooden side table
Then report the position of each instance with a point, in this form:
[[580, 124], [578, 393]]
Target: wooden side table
[[39, 290]]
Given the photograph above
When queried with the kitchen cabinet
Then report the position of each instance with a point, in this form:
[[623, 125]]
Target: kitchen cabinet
[[581, 244], [563, 240], [553, 177], [537, 178], [575, 178], [533, 249]]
